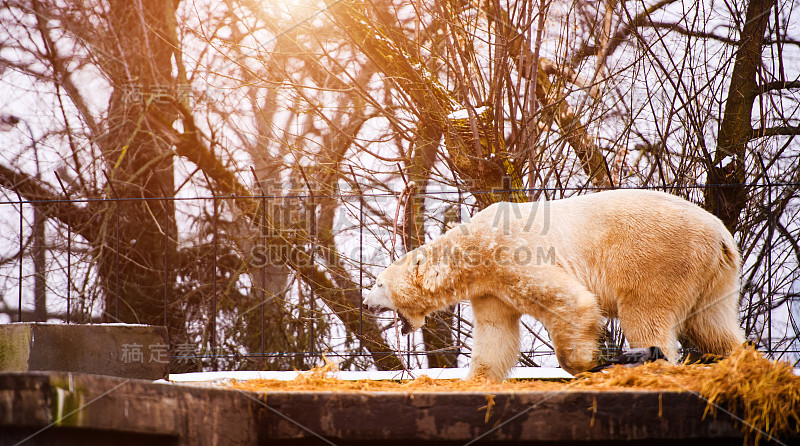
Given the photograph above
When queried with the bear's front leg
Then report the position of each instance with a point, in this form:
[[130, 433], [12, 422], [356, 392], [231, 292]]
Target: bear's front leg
[[495, 346]]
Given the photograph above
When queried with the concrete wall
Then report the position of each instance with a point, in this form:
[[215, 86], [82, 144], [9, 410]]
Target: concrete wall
[[129, 351]]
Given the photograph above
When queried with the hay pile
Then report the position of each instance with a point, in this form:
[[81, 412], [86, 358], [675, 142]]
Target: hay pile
[[764, 394]]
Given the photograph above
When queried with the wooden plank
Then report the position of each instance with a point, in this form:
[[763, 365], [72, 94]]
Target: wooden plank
[[528, 416]]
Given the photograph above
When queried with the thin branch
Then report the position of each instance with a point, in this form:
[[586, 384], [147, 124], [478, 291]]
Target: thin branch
[[643, 19], [52, 204], [778, 85], [775, 131]]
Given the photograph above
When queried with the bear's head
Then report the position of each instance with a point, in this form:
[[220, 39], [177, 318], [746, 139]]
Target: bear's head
[[414, 285]]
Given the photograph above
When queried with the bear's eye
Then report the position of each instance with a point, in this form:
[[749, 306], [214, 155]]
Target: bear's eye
[[380, 285]]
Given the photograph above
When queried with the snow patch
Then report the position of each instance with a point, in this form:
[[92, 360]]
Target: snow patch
[[463, 113], [459, 373]]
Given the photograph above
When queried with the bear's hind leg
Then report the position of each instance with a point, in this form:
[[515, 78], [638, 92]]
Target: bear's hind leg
[[714, 328], [713, 322], [495, 346]]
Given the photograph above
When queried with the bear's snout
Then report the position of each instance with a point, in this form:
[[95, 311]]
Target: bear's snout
[[371, 305], [374, 309], [377, 300]]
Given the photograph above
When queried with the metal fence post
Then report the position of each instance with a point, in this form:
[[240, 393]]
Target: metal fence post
[[69, 243], [21, 251]]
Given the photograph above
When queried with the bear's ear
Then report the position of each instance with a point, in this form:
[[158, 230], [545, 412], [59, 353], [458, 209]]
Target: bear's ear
[[433, 274]]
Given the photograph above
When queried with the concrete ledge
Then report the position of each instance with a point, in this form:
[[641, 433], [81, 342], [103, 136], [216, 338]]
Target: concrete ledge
[[129, 351], [90, 409]]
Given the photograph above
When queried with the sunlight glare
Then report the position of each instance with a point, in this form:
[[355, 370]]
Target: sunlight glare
[[293, 11]]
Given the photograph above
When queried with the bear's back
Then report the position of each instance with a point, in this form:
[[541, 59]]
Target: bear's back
[[599, 212], [613, 239]]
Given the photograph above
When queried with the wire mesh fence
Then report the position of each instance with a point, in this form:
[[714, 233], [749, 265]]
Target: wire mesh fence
[[279, 291]]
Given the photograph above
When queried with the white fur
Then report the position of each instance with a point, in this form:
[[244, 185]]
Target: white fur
[[661, 264]]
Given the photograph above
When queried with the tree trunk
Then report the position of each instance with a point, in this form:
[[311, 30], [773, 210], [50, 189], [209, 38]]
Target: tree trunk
[[140, 276], [437, 333], [727, 170]]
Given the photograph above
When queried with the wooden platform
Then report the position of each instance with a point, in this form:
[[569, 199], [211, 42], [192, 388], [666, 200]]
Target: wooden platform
[[60, 408]]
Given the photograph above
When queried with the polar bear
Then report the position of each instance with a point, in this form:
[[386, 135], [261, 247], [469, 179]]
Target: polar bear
[[662, 265]]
